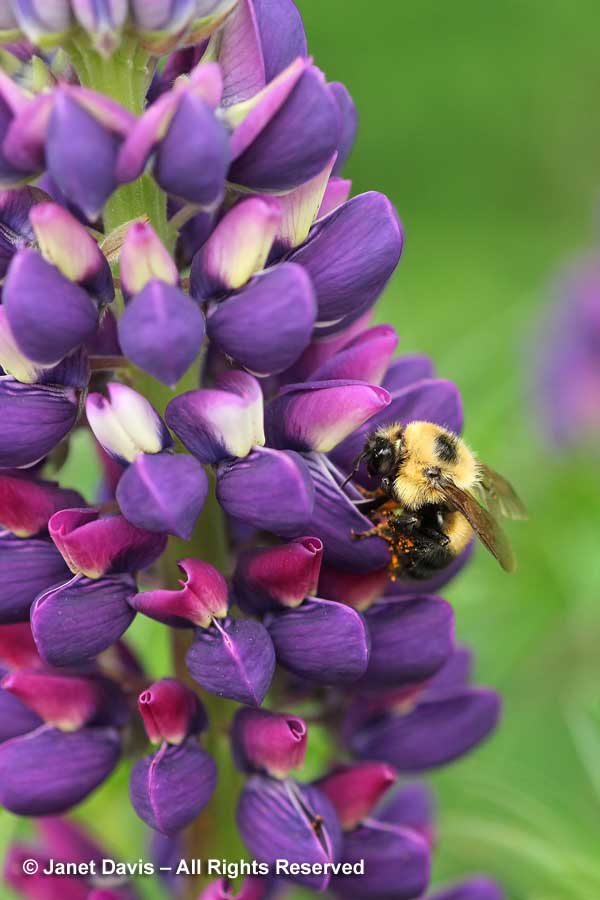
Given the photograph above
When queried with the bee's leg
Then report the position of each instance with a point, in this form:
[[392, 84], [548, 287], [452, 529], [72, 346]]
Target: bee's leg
[[381, 530], [371, 504]]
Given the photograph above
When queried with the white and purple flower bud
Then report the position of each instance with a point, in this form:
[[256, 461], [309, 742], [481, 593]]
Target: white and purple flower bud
[[48, 771], [161, 24], [268, 743], [103, 20], [26, 504], [233, 659], [66, 702], [45, 24], [79, 619], [66, 244], [237, 249], [171, 787], [272, 577], [222, 423], [171, 712], [94, 546], [49, 316], [144, 258], [356, 790], [284, 820], [203, 597], [126, 424]]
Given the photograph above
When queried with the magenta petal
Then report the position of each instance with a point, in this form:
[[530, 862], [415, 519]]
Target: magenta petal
[[365, 358], [235, 660], [191, 161], [47, 771], [26, 504], [161, 331], [163, 492], [353, 588], [356, 789], [270, 489], [94, 546], [268, 742], [171, 711], [320, 415], [74, 622], [27, 567], [66, 702], [49, 315], [296, 143], [272, 577], [203, 596], [283, 820], [87, 187], [410, 641], [170, 788], [351, 255], [336, 193], [266, 325], [431, 400], [321, 641]]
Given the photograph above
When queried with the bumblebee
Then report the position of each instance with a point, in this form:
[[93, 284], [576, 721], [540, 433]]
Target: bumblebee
[[433, 495]]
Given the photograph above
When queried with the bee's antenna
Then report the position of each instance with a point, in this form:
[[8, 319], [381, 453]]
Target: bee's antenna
[[355, 468]]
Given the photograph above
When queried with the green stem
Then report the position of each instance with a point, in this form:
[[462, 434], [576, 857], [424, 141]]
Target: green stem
[[125, 79]]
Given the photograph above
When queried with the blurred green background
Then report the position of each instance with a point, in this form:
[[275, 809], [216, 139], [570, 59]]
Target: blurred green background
[[481, 122]]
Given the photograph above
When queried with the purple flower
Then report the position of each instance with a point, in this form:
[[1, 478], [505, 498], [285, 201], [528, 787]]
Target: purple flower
[[284, 820], [170, 788], [423, 728]]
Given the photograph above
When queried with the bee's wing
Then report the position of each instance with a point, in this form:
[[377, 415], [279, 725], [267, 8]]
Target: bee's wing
[[499, 496], [483, 524]]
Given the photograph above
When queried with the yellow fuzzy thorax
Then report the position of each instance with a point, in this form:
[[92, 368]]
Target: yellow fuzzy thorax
[[418, 449]]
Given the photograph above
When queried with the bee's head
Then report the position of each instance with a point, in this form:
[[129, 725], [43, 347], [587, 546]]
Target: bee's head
[[383, 453]]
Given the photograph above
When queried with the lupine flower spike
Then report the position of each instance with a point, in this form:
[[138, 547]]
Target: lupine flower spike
[[187, 292]]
